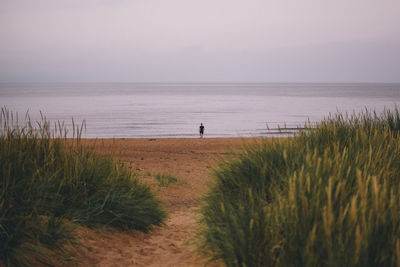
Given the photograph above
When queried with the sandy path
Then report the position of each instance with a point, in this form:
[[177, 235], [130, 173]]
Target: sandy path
[[190, 161]]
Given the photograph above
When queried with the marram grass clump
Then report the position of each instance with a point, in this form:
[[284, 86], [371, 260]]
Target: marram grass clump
[[165, 179], [328, 197], [50, 183]]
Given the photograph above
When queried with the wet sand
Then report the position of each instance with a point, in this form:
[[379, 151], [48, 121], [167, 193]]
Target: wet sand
[[188, 159]]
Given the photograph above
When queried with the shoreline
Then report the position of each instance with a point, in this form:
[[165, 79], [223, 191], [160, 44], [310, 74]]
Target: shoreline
[[206, 140], [270, 133]]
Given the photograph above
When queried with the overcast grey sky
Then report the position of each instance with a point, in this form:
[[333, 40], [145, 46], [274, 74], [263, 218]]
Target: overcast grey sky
[[200, 40]]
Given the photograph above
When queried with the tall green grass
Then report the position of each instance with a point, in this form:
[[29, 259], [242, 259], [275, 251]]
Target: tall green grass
[[328, 197], [49, 183]]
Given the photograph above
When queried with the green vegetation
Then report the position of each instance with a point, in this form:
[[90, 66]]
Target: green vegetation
[[165, 179], [49, 184], [327, 197]]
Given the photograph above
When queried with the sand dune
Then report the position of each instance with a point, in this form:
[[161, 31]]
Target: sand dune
[[190, 160]]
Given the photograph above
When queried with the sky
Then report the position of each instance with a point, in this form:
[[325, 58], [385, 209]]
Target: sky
[[200, 41]]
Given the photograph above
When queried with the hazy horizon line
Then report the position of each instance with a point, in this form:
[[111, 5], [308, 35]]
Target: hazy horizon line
[[199, 82]]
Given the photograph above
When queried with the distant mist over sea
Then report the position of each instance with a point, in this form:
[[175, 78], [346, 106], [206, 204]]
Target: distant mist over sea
[[123, 110]]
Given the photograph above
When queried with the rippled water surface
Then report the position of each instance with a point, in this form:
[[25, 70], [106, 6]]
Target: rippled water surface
[[176, 110]]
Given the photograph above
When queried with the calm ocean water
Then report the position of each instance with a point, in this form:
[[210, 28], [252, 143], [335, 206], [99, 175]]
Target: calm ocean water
[[176, 110]]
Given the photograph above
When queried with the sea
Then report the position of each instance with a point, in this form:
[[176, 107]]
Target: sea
[[175, 110]]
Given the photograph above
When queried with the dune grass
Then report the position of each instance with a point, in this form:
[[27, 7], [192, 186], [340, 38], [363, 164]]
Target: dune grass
[[328, 197], [50, 183], [166, 179]]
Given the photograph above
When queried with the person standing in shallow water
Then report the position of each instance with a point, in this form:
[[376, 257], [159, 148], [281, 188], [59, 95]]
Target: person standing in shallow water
[[201, 130]]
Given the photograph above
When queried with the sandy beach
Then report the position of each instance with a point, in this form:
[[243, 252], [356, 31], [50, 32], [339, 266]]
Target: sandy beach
[[188, 159]]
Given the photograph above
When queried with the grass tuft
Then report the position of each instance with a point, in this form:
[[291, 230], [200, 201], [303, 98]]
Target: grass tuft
[[165, 179], [328, 197], [49, 183]]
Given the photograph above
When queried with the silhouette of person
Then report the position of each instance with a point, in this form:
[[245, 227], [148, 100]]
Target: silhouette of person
[[201, 130]]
